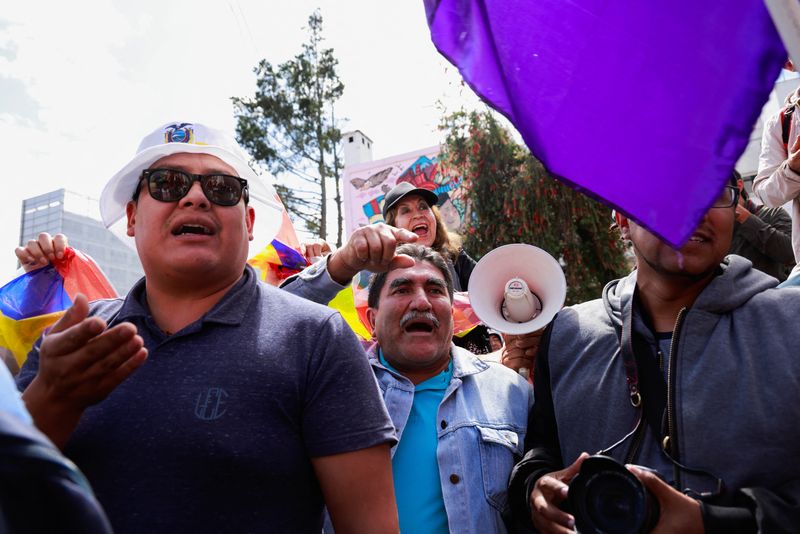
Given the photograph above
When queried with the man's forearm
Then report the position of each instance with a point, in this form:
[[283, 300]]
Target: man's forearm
[[358, 490]]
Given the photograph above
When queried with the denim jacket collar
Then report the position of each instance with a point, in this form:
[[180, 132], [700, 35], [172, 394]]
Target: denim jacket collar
[[464, 362]]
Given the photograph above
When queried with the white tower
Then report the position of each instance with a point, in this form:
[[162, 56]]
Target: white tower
[[357, 148]]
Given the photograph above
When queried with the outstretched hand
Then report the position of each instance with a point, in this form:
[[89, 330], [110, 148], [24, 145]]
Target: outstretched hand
[[370, 248], [80, 363], [41, 251]]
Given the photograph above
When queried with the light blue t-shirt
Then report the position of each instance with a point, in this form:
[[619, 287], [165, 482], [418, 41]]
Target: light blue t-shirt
[[420, 503]]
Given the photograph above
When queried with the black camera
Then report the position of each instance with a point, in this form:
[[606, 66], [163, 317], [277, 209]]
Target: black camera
[[606, 498]]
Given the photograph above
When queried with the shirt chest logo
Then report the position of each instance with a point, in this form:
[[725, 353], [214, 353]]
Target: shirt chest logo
[[211, 404]]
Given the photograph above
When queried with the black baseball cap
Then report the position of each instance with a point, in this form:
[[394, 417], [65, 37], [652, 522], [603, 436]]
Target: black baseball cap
[[404, 189]]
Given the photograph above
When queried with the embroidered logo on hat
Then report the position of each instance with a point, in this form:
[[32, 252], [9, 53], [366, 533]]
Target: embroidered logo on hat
[[179, 133], [175, 137]]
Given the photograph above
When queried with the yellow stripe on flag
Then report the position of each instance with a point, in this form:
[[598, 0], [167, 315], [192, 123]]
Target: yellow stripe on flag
[[18, 336], [345, 304]]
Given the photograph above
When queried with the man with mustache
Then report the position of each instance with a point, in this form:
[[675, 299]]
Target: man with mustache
[[687, 366], [461, 421]]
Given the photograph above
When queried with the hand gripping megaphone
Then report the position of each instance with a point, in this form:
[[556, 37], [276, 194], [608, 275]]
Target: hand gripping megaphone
[[517, 289]]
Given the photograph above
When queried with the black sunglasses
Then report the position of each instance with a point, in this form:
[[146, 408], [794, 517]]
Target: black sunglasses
[[170, 185]]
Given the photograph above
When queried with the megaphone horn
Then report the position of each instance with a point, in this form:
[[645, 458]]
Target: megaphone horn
[[517, 289]]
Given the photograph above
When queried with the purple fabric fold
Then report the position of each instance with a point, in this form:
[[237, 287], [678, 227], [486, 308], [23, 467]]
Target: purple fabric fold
[[644, 105]]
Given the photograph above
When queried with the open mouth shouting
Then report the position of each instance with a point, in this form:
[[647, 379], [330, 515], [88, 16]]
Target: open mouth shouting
[[193, 228], [421, 229], [419, 322]]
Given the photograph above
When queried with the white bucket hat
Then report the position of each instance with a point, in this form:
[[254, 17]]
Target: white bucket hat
[[194, 138]]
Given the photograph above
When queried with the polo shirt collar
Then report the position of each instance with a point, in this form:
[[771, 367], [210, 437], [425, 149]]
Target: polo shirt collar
[[231, 309]]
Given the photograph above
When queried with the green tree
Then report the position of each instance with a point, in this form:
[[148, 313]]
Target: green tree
[[512, 199], [290, 126]]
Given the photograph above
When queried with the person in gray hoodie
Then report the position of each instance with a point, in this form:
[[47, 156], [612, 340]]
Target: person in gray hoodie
[[688, 366]]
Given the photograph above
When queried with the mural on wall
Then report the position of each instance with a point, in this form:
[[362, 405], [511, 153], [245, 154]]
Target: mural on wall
[[366, 185]]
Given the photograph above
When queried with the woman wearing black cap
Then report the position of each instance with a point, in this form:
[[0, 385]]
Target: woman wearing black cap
[[415, 209]]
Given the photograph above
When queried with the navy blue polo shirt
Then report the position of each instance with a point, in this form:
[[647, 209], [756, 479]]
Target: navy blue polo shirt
[[215, 432]]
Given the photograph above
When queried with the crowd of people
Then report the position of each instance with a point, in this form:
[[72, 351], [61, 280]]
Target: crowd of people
[[207, 401]]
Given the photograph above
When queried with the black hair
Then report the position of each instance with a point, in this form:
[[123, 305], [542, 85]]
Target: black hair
[[735, 177], [138, 189]]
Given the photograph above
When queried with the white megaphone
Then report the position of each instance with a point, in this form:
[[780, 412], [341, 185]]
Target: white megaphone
[[517, 289]]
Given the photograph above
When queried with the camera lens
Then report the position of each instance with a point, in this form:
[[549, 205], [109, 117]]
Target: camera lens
[[614, 503], [606, 498]]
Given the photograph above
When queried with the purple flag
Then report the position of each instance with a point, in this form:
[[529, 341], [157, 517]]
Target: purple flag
[[644, 105]]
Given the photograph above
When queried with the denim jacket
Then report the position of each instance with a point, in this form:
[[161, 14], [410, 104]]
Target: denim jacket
[[481, 428]]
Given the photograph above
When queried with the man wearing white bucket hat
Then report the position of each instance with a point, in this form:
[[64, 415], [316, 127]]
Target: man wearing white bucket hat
[[200, 403]]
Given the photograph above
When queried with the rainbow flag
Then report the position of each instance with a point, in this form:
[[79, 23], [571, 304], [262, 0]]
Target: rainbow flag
[[281, 258], [32, 302], [277, 262]]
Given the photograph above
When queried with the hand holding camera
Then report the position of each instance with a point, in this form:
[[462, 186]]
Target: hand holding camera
[[548, 493], [679, 512], [597, 494], [605, 497]]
